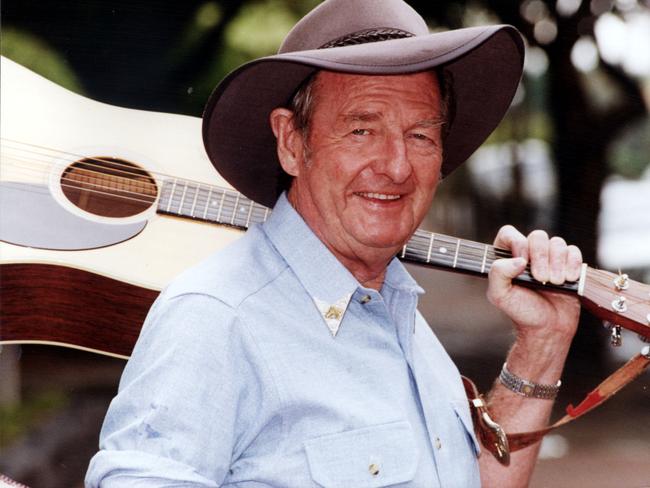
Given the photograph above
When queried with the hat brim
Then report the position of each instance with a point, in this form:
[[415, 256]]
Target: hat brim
[[484, 63]]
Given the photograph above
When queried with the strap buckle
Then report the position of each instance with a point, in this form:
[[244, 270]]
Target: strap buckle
[[497, 442]]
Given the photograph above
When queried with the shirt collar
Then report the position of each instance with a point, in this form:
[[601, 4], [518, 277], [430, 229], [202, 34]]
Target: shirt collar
[[399, 279], [325, 279]]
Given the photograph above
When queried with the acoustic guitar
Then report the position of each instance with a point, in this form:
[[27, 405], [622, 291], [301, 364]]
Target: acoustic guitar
[[94, 222]]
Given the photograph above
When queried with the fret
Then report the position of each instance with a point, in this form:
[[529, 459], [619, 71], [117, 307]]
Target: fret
[[250, 211], [431, 238], [190, 195], [242, 212], [404, 250], [171, 196], [164, 195], [234, 210], [223, 197], [178, 204], [258, 213], [456, 253], [180, 208], [202, 203], [207, 204], [266, 214], [484, 258], [196, 195]]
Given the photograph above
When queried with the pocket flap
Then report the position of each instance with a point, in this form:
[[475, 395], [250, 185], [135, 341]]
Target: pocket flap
[[465, 416], [371, 457]]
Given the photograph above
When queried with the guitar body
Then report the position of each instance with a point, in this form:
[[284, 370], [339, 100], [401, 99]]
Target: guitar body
[[60, 128], [57, 241]]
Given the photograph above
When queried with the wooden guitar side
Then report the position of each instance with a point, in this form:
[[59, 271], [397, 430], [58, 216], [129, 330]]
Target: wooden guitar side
[[48, 304]]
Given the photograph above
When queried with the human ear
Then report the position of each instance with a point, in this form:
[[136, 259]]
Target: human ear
[[289, 140]]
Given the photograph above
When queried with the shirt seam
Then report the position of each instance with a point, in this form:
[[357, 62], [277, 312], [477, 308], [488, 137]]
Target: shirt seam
[[282, 402], [251, 338]]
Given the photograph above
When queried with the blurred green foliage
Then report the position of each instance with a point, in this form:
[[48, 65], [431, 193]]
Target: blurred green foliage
[[629, 156], [37, 55], [16, 420]]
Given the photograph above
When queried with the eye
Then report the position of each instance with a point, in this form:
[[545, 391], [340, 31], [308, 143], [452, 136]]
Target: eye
[[421, 138], [360, 132]]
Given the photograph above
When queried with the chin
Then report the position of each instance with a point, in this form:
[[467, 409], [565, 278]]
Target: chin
[[393, 240]]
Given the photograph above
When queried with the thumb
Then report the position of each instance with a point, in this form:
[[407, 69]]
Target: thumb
[[501, 275]]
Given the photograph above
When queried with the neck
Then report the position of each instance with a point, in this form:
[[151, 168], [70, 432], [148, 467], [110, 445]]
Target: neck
[[367, 264]]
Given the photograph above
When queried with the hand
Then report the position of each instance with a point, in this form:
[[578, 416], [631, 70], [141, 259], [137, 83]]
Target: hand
[[542, 314]]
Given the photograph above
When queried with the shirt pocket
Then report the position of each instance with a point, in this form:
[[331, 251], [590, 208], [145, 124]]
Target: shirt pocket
[[465, 416], [376, 456]]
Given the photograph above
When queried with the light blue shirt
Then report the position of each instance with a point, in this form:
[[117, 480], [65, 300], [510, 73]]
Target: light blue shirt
[[270, 365]]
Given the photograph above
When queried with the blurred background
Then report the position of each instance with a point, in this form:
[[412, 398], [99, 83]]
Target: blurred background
[[571, 157]]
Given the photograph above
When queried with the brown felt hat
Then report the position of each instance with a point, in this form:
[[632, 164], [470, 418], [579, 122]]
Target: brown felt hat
[[483, 64]]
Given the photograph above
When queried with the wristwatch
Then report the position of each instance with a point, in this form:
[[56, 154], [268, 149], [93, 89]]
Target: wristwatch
[[527, 388]]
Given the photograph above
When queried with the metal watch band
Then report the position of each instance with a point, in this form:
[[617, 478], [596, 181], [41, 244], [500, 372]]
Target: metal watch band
[[527, 388]]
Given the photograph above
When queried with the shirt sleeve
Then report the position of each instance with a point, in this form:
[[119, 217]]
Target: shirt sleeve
[[181, 410]]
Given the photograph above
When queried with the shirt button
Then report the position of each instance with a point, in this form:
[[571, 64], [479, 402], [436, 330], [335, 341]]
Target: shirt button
[[365, 299], [374, 469], [438, 443]]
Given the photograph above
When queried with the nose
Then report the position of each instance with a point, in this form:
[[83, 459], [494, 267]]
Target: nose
[[393, 161]]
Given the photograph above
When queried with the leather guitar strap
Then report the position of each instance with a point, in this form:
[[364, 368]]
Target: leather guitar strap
[[500, 444]]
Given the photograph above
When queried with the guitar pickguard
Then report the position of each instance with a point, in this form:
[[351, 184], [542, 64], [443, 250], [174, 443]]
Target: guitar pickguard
[[31, 217]]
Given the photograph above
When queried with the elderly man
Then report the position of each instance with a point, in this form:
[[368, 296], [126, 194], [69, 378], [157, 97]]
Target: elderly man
[[297, 357]]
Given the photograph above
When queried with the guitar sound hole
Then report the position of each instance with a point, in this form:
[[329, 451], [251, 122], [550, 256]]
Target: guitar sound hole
[[110, 187]]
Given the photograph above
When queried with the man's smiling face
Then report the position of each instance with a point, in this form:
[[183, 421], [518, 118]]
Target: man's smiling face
[[372, 159]]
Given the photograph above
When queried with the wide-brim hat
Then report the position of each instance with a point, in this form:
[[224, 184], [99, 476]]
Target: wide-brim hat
[[483, 64]]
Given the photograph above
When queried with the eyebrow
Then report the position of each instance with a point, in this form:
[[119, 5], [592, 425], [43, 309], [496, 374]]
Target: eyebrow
[[361, 116], [437, 122], [374, 116]]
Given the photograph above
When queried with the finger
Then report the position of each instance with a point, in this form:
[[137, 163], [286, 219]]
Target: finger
[[502, 272], [511, 239], [574, 263], [557, 260], [538, 248]]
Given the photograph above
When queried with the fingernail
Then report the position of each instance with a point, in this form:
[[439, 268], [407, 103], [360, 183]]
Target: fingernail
[[519, 262]]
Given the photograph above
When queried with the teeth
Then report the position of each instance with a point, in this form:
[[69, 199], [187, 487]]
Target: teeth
[[379, 196]]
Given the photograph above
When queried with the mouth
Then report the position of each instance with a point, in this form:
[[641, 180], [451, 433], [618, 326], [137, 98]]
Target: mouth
[[378, 196]]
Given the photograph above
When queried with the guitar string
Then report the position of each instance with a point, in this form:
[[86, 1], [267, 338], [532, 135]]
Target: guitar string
[[422, 250], [450, 248], [186, 183], [72, 181], [422, 239], [33, 148], [100, 162], [462, 259], [141, 180], [229, 208], [130, 171], [25, 170], [198, 198], [421, 242], [136, 171], [149, 199], [231, 217]]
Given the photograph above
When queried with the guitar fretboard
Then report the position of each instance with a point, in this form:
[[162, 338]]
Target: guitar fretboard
[[210, 204], [228, 207]]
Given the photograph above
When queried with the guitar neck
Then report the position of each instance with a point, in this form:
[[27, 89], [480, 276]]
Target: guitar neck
[[464, 256], [222, 206], [197, 201]]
